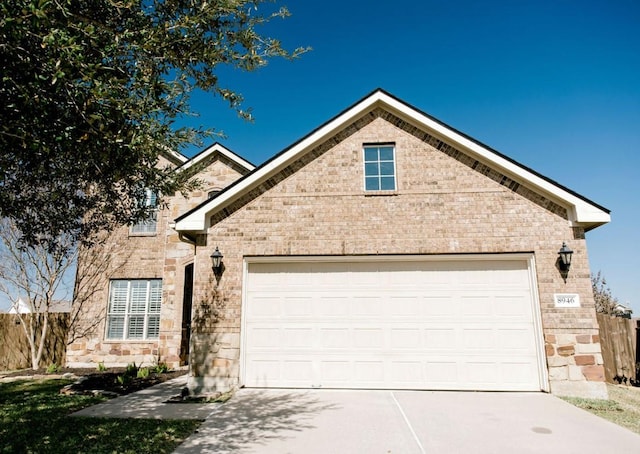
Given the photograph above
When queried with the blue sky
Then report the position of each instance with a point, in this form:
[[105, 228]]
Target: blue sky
[[554, 85]]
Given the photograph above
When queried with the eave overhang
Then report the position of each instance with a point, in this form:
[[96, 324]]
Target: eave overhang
[[581, 211]]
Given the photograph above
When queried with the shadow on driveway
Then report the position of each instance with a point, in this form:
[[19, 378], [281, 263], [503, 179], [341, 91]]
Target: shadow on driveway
[[404, 422], [255, 419]]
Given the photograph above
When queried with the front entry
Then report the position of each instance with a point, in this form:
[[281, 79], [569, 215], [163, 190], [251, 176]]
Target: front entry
[[187, 297]]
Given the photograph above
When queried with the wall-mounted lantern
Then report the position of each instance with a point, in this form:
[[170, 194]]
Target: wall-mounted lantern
[[216, 259], [565, 257]]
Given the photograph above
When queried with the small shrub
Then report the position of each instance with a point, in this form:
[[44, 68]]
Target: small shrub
[[161, 368], [123, 379], [52, 369], [143, 372], [101, 367], [131, 370]]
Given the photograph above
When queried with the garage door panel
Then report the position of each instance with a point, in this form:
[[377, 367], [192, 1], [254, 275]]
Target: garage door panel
[[369, 372], [405, 339], [408, 374], [440, 373], [516, 340], [263, 372], [518, 372], [368, 338], [335, 371], [404, 306], [477, 305], [264, 337], [296, 338], [368, 305], [332, 306], [481, 374], [479, 339], [297, 306], [334, 338], [297, 371], [438, 305], [441, 338], [391, 326], [512, 305], [264, 306]]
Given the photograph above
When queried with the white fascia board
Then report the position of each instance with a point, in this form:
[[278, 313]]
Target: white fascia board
[[176, 154], [237, 159], [580, 211], [193, 223], [223, 151], [179, 156], [197, 221]]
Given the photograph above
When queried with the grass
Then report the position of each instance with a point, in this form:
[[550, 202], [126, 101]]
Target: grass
[[34, 418], [622, 408]]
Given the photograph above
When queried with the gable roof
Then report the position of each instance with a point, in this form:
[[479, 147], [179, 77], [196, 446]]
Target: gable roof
[[220, 149], [182, 162], [581, 211], [173, 156]]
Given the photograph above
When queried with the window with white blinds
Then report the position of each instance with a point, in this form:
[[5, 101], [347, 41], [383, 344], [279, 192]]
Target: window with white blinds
[[149, 225], [134, 309]]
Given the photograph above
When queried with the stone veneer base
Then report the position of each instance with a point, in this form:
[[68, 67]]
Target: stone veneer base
[[586, 389]]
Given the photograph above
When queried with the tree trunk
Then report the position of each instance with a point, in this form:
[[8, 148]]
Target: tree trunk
[[43, 337], [32, 340]]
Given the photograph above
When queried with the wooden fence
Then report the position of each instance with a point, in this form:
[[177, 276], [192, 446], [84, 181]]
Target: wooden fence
[[15, 352], [619, 341]]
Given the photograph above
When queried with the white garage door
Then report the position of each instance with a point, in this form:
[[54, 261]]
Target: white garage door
[[446, 324]]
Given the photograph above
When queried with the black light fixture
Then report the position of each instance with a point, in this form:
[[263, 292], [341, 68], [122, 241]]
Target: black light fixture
[[565, 257], [216, 259]]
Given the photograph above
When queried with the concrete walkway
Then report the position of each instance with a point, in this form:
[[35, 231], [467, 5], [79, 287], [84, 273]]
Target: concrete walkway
[[385, 422], [151, 403]]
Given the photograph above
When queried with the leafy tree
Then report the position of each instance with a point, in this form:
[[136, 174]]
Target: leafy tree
[[89, 96], [605, 302], [35, 279]]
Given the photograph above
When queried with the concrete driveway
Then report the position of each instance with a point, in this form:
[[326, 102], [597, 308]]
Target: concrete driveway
[[404, 422]]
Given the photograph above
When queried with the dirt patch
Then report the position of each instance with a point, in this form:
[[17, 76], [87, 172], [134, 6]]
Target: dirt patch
[[91, 381]]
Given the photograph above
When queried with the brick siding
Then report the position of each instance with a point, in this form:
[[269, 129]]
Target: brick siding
[[162, 256], [445, 203]]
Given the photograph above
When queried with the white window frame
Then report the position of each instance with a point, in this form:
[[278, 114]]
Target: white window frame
[[378, 161], [133, 311], [148, 226]]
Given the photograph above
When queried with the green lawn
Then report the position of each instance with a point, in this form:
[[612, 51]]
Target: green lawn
[[34, 418], [622, 408]]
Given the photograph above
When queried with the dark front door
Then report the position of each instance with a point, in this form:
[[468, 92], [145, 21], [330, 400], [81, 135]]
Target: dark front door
[[187, 297]]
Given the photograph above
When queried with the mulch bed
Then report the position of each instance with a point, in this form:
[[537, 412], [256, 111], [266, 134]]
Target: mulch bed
[[92, 381]]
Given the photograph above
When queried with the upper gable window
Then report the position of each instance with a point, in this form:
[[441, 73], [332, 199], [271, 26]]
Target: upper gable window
[[149, 225], [379, 167], [213, 192]]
